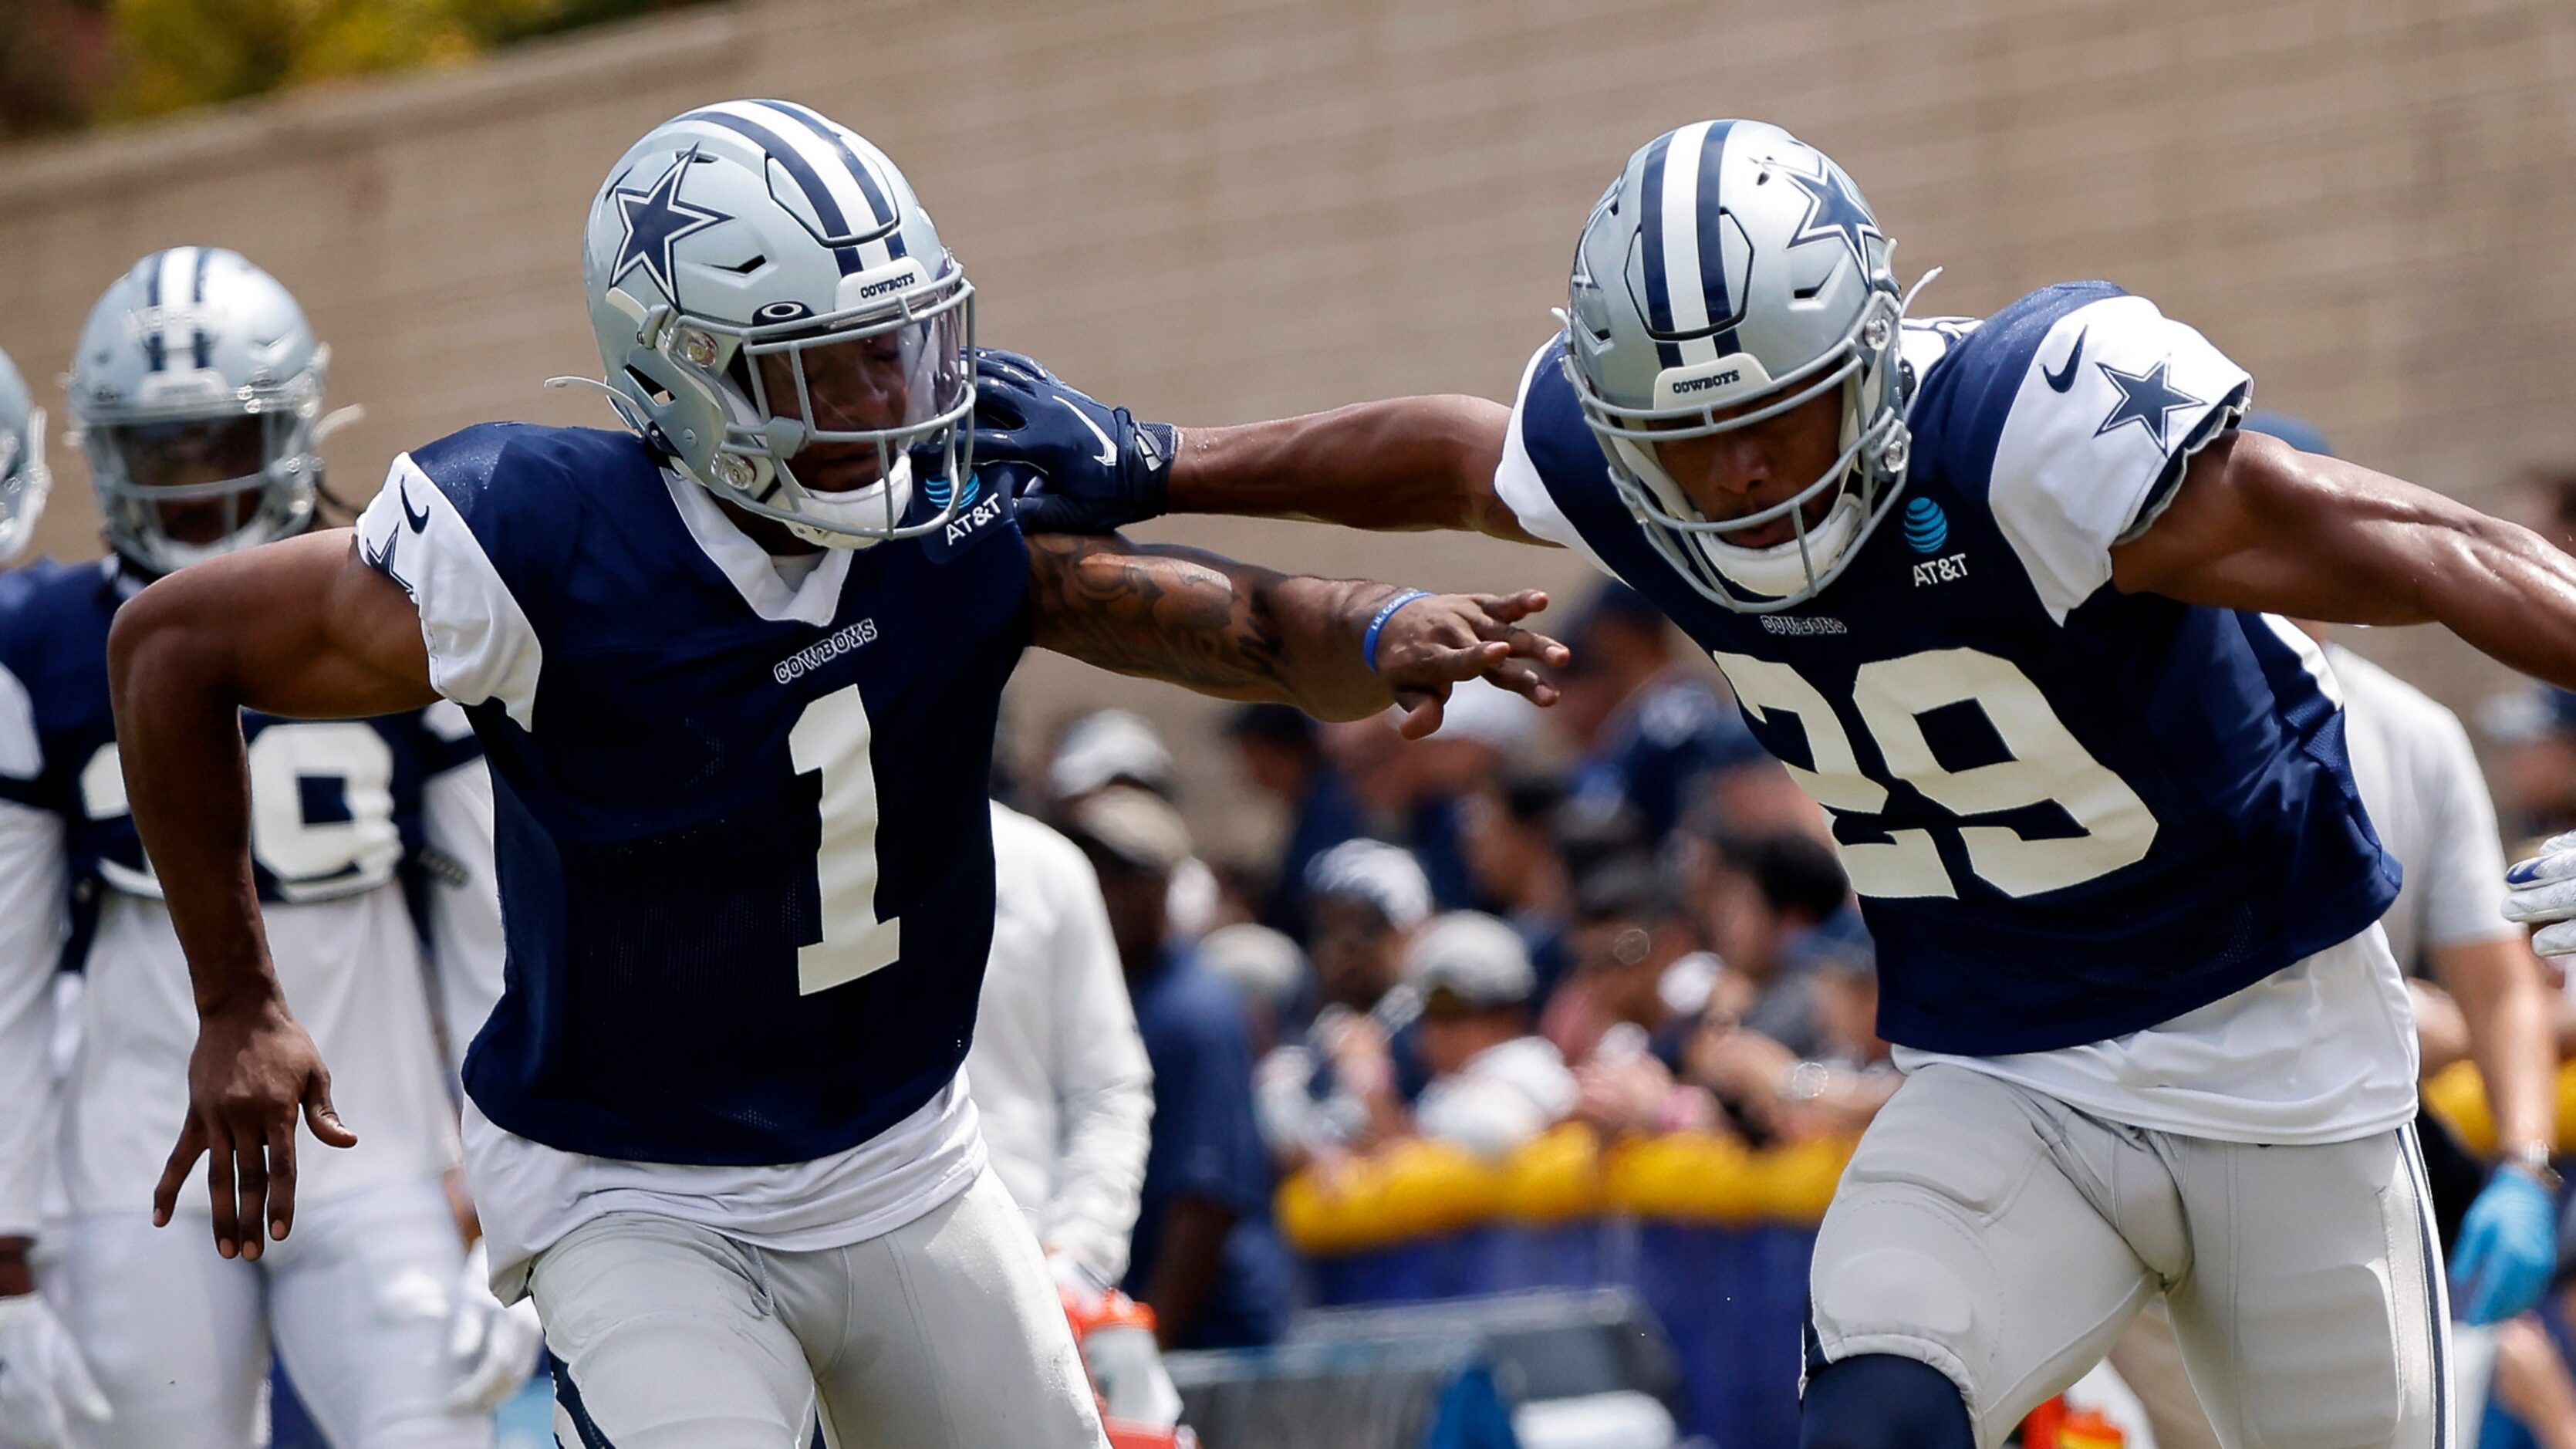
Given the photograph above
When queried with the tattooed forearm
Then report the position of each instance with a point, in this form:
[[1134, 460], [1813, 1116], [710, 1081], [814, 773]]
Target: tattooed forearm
[[1210, 624]]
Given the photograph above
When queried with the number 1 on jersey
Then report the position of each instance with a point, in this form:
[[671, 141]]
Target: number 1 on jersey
[[831, 738]]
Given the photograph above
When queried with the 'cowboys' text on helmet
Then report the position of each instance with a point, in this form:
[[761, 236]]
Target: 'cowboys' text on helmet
[[1731, 274], [775, 312]]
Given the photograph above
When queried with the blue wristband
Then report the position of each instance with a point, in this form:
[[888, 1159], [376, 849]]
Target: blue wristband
[[1385, 611]]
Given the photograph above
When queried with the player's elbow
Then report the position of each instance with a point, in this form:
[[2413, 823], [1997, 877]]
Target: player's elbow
[[154, 642], [1470, 433]]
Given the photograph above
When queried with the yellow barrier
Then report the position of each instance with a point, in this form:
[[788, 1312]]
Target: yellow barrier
[[2458, 1095], [1418, 1189]]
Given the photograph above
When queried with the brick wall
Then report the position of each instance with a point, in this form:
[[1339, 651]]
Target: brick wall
[[1223, 209]]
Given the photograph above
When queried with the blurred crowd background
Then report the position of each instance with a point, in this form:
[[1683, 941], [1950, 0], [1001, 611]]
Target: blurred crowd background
[[1555, 1000]]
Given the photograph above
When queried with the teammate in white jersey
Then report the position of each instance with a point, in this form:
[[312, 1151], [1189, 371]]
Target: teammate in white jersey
[[198, 387], [1057, 1072], [1061, 1084], [2003, 595]]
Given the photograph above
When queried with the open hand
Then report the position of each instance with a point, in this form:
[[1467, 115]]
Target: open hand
[[254, 1071], [1435, 642]]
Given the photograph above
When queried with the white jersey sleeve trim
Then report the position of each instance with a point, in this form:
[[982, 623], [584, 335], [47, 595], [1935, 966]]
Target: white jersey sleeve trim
[[2114, 399], [22, 753], [1518, 484], [481, 646]]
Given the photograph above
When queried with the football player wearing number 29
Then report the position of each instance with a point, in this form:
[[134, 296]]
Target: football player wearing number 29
[[736, 670], [2004, 594]]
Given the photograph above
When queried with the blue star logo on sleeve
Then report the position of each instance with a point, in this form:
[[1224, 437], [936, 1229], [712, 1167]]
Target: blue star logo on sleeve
[[656, 219], [1833, 212], [2146, 398]]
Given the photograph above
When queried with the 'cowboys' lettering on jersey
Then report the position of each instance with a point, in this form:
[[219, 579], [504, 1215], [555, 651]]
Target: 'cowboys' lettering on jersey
[[696, 763]]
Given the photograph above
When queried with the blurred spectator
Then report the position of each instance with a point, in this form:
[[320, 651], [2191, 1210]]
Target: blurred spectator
[[1267, 972], [1630, 935], [1653, 733], [1767, 903], [1337, 1089], [1484, 730], [1776, 1093], [1518, 868], [1117, 747], [2534, 731], [1493, 1084], [1205, 1256], [1283, 758]]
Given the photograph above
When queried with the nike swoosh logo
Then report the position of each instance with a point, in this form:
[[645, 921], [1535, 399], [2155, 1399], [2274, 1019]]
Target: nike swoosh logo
[[1108, 450], [2062, 380], [419, 521]]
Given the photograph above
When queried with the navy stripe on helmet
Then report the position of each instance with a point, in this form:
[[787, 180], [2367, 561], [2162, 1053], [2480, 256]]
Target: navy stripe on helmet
[[1650, 231], [808, 180], [153, 350], [878, 201], [202, 346], [1712, 237]]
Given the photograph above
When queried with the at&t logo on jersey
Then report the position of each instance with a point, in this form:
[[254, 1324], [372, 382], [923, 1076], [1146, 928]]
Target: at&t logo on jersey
[[1927, 528], [976, 514]]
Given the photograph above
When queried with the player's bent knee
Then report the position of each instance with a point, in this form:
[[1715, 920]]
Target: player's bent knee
[[1882, 1401]]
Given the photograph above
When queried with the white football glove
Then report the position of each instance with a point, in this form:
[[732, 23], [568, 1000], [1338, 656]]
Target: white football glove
[[495, 1348], [2542, 892], [44, 1384]]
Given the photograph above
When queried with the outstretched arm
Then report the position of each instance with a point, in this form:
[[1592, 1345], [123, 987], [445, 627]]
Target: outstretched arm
[[2257, 524], [1238, 631], [1407, 463], [298, 628]]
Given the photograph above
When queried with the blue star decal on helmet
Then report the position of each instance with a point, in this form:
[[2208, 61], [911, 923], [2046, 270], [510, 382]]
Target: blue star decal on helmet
[[656, 219], [1834, 211], [2146, 398]]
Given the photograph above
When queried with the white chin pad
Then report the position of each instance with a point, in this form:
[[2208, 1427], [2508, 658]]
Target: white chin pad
[[879, 507], [1781, 570]]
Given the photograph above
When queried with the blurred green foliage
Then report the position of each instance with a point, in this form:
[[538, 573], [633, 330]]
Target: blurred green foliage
[[67, 64]]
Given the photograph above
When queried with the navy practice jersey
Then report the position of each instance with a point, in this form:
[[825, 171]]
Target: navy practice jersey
[[2071, 813], [335, 804], [746, 864]]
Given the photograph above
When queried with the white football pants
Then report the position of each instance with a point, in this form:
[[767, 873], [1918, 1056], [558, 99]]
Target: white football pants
[[946, 1333], [2006, 1239], [357, 1299]]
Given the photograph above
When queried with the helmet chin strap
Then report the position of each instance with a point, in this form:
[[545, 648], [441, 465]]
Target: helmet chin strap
[[874, 506], [1782, 569]]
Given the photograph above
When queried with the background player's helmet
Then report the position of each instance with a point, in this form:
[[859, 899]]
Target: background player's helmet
[[1733, 266], [732, 255], [24, 481], [196, 391]]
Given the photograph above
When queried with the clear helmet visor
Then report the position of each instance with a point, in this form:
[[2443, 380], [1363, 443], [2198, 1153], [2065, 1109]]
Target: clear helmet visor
[[846, 416], [176, 491]]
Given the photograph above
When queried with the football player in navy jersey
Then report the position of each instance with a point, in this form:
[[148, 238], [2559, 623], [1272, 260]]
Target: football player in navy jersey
[[736, 669], [2004, 595], [198, 391]]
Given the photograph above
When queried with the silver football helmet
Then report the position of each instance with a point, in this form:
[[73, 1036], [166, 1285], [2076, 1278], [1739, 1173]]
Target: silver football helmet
[[1731, 274], [24, 480], [776, 313], [197, 392]]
